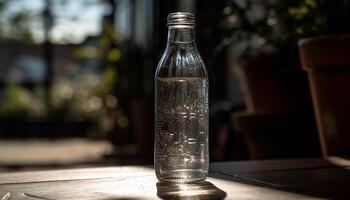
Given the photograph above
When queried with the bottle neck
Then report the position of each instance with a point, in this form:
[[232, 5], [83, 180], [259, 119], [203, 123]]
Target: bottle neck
[[181, 34]]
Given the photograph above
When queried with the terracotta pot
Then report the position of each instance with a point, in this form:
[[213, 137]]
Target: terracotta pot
[[278, 136], [327, 61], [272, 88]]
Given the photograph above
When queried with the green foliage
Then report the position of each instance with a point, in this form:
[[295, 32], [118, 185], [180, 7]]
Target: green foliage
[[271, 27], [85, 96], [21, 26], [16, 24], [21, 103]]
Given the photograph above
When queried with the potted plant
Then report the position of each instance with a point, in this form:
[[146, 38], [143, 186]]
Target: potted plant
[[327, 60], [263, 38]]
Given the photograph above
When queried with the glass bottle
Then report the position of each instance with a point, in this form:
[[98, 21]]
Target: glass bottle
[[181, 106]]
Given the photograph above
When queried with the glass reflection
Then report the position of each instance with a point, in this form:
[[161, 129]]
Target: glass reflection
[[199, 190]]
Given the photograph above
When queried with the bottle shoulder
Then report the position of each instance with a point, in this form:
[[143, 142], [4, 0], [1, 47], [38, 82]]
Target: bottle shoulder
[[181, 60]]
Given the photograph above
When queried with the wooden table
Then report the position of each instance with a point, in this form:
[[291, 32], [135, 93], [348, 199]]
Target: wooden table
[[279, 179]]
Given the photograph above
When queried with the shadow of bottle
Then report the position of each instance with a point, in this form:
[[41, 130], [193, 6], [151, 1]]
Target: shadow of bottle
[[189, 191]]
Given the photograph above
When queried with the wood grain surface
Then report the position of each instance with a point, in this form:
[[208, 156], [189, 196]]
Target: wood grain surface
[[233, 180]]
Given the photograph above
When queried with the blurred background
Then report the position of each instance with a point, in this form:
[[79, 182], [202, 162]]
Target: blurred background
[[76, 78]]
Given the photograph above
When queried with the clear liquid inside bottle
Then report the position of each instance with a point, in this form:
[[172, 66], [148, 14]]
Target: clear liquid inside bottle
[[181, 109]]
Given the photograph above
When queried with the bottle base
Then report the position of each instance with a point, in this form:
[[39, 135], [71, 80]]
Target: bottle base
[[182, 176]]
